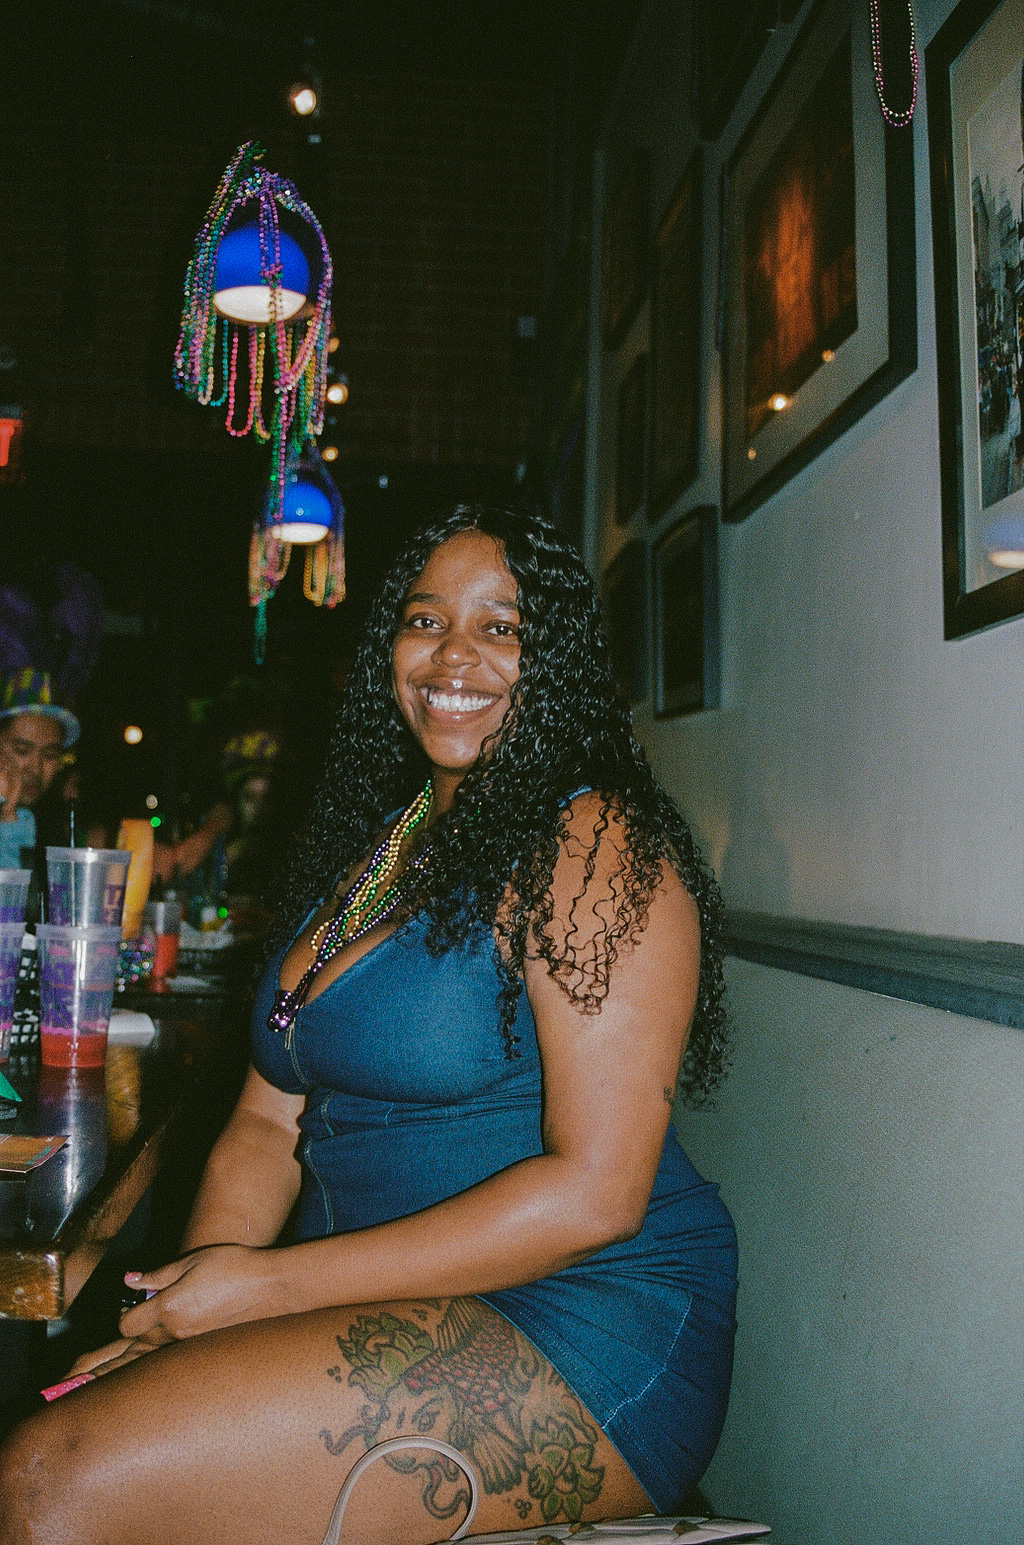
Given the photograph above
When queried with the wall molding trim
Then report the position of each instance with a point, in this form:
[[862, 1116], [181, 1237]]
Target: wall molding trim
[[965, 976]]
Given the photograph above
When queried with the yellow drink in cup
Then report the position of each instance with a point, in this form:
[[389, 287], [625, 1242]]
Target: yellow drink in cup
[[137, 837]]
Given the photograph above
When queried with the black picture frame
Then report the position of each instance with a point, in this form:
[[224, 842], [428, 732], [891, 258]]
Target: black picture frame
[[624, 607], [802, 362], [974, 69], [674, 428], [687, 651], [625, 266], [722, 57], [631, 443]]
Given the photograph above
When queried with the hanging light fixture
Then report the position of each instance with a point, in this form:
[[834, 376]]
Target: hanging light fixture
[[311, 514], [261, 266], [306, 514], [260, 263], [242, 288]]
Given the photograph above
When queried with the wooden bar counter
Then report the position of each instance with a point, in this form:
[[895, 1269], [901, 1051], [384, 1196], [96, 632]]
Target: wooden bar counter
[[57, 1221]]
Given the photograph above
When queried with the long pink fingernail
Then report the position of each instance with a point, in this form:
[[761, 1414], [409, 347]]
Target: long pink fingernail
[[56, 1390]]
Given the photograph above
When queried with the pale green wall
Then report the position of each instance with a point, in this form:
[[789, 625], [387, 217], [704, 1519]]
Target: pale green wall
[[861, 770], [872, 1154]]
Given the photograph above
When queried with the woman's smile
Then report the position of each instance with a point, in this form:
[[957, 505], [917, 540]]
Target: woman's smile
[[455, 702], [456, 654]]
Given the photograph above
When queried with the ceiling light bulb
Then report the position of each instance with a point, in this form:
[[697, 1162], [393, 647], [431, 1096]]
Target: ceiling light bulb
[[132, 734], [329, 453], [337, 392], [303, 100], [332, 344], [777, 401]]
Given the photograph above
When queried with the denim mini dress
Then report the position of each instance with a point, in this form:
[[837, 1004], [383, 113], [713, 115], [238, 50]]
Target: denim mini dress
[[412, 1098]]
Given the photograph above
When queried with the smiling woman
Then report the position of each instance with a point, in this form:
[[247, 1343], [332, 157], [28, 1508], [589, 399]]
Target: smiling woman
[[497, 955], [456, 655]]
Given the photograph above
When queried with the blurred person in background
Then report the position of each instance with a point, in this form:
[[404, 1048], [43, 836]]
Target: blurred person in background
[[35, 733]]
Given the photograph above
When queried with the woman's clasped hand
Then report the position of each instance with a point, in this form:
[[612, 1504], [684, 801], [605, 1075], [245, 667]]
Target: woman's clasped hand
[[449, 1204], [206, 1290]]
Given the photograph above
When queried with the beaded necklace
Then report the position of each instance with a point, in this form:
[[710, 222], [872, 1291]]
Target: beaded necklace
[[898, 120], [368, 902]]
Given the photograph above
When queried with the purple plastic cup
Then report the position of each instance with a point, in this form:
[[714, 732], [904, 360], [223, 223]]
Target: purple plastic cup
[[77, 974], [10, 963], [86, 886], [13, 894]]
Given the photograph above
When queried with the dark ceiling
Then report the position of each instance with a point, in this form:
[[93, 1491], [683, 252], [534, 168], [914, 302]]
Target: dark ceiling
[[117, 118]]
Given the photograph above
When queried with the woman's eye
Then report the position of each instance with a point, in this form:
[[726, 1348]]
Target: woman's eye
[[421, 622], [505, 629]]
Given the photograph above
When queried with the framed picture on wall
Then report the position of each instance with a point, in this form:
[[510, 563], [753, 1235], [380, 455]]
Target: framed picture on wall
[[685, 600], [818, 271], [631, 447], [624, 605], [625, 250], [975, 74], [675, 396]]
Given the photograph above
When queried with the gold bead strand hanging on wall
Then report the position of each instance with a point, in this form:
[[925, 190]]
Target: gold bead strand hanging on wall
[[897, 120]]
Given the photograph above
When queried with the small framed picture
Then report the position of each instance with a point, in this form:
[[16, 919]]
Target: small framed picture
[[624, 604], [686, 638], [631, 453], [818, 290], [975, 74], [625, 249], [676, 373]]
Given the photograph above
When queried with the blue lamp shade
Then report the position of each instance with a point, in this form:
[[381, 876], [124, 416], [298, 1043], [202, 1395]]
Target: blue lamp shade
[[242, 294], [306, 512], [1004, 541]]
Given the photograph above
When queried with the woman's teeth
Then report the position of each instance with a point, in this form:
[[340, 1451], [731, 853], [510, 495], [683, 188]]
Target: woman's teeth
[[456, 702]]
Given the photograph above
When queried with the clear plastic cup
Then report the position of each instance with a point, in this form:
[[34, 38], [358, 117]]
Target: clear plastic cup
[[10, 963], [77, 973], [13, 894], [86, 886]]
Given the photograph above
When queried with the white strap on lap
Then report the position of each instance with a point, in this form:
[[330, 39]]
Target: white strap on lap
[[390, 1446]]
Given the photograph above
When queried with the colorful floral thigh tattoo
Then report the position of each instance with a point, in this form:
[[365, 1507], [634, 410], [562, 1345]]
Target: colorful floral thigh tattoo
[[482, 1388]]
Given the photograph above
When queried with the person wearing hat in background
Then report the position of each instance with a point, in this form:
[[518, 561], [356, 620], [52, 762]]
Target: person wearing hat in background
[[35, 733]]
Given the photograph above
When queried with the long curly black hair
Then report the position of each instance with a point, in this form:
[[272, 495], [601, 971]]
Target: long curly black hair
[[565, 730]]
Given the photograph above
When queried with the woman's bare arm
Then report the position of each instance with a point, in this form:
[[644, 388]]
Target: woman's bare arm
[[251, 1179], [608, 1084]]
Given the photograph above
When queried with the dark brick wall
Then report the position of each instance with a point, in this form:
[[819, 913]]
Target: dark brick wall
[[431, 190]]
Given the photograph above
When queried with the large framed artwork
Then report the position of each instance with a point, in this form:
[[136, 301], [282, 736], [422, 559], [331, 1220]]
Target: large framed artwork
[[818, 271], [975, 76], [631, 446], [624, 606], [675, 398], [686, 638], [625, 250]]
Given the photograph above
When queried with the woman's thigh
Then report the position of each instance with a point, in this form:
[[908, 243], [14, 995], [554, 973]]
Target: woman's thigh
[[247, 1435]]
